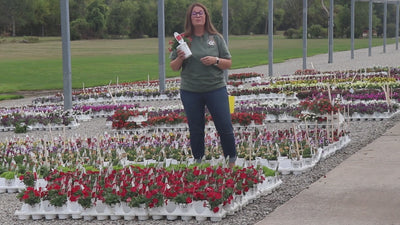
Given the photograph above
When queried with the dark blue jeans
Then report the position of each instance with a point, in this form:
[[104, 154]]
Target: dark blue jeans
[[218, 105]]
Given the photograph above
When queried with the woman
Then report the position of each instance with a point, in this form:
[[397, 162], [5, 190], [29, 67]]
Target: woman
[[203, 83]]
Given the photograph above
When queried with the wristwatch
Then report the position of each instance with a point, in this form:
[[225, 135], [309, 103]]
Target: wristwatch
[[216, 64]]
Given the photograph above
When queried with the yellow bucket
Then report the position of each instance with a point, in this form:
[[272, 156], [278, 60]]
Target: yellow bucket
[[231, 104]]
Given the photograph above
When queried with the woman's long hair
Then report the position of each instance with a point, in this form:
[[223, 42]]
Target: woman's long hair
[[208, 26]]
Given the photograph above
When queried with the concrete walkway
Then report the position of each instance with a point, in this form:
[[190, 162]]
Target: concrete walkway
[[362, 190]]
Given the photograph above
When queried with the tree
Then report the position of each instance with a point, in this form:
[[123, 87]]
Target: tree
[[15, 12], [144, 22], [121, 13], [77, 9], [175, 13], [293, 17], [317, 14], [138, 18], [245, 16], [41, 10], [97, 17]]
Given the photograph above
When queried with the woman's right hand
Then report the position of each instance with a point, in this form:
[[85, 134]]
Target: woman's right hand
[[181, 54], [176, 64]]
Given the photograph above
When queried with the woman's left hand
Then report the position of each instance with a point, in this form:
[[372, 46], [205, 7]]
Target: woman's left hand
[[209, 60]]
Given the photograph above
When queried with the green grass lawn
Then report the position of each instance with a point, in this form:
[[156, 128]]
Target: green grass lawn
[[38, 66]]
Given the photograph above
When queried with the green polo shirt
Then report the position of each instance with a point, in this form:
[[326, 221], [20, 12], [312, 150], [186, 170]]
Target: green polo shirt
[[197, 77]]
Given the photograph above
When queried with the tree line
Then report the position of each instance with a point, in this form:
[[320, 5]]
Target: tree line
[[92, 19]]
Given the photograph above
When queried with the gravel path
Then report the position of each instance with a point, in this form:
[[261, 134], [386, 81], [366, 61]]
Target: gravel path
[[361, 133]]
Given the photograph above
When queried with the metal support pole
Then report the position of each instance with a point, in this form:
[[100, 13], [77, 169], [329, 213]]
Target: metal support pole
[[384, 25], [305, 28], [161, 46], [352, 27], [225, 27], [397, 24], [330, 60], [66, 54], [370, 28], [270, 37], [225, 19]]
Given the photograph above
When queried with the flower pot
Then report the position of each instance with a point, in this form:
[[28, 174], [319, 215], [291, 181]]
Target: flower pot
[[36, 212], [201, 218], [141, 212], [297, 164], [100, 207], [2, 185], [199, 207], [272, 164], [88, 217], [75, 209], [261, 161], [50, 216], [185, 211], [37, 216], [172, 217], [215, 218], [102, 217], [62, 212], [157, 213], [115, 217], [307, 161], [240, 161], [9, 182], [170, 210], [170, 207], [126, 208], [47, 207], [230, 208]]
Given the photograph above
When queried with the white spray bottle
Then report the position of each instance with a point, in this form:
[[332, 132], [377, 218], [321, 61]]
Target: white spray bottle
[[182, 45]]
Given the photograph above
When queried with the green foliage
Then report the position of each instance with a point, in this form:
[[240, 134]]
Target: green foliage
[[57, 199], [30, 39], [273, 155], [292, 33], [307, 152], [78, 29], [21, 169], [44, 171], [91, 168], [111, 198], [182, 198], [85, 202], [2, 170], [9, 175], [29, 179], [19, 159], [96, 17], [178, 167], [268, 172], [97, 62], [139, 200], [317, 31], [9, 97], [20, 128], [66, 169], [28, 196], [137, 18]]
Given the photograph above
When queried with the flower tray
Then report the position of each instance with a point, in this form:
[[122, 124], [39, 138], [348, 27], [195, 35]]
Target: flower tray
[[375, 116], [287, 166], [11, 186], [197, 210]]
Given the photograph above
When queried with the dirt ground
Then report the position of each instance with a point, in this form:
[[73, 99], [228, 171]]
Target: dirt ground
[[35, 93]]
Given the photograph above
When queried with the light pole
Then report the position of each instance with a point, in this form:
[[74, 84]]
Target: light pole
[[66, 54]]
